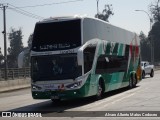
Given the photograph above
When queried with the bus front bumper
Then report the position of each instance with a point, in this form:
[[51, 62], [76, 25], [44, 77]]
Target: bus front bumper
[[68, 94]]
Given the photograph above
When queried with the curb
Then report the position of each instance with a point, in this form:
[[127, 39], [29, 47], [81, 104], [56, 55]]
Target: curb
[[11, 85], [14, 88]]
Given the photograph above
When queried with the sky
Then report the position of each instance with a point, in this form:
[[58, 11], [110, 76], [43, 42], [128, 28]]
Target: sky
[[124, 16]]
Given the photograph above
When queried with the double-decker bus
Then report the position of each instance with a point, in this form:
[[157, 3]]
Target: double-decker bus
[[75, 57]]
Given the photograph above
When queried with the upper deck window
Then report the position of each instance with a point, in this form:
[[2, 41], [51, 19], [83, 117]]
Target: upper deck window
[[59, 35]]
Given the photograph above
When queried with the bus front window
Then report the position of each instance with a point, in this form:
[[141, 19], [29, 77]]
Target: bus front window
[[56, 67]]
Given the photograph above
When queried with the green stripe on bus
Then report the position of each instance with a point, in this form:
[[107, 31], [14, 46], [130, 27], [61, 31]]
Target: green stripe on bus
[[115, 50], [120, 51]]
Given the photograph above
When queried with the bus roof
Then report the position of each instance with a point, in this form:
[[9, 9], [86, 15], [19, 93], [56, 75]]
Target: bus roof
[[120, 33], [65, 18], [61, 18]]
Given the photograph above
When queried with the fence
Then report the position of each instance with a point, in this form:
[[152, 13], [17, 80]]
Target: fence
[[15, 73]]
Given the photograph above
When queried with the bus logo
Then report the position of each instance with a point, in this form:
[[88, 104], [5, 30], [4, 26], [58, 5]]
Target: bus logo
[[6, 114]]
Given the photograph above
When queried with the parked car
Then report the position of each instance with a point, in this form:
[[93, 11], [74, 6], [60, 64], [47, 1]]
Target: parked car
[[147, 69]]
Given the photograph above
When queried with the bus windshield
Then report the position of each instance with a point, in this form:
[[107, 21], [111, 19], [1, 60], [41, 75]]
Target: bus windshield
[[55, 67], [59, 35]]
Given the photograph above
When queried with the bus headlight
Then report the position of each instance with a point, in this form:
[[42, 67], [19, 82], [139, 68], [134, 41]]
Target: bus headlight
[[35, 87], [74, 85]]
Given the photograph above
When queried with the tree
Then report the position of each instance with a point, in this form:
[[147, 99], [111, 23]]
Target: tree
[[1, 58], [26, 52], [154, 34], [30, 41], [106, 13], [16, 46], [145, 47], [27, 56], [155, 10]]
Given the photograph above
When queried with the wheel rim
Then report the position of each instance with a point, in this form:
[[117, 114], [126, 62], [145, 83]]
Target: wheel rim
[[135, 81], [130, 82], [99, 90]]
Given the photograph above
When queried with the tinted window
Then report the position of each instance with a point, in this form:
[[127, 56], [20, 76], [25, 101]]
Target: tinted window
[[111, 64], [55, 67], [89, 53], [57, 35]]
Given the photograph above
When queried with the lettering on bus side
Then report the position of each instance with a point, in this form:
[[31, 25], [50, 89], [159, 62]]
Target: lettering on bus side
[[66, 51], [56, 46]]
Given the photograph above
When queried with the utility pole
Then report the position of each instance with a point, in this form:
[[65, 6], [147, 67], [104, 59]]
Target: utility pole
[[97, 7], [5, 42]]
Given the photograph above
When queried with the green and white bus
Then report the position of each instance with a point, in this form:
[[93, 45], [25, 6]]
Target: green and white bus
[[75, 57]]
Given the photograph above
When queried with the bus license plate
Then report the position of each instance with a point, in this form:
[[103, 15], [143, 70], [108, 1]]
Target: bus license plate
[[55, 97], [49, 86]]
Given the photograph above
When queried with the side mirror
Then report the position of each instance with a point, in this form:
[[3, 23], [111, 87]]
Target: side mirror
[[80, 57]]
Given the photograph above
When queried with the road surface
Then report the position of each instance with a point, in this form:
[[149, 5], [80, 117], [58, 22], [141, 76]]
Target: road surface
[[145, 97]]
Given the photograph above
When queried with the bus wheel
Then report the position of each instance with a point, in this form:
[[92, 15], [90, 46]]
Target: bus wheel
[[100, 90], [132, 81]]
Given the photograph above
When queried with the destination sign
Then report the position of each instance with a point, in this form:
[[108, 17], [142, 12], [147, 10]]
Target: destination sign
[[64, 46], [56, 46]]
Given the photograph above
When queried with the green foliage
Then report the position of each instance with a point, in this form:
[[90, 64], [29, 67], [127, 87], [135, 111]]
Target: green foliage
[[155, 10], [16, 46], [1, 59], [106, 13], [155, 29], [1, 56], [154, 35], [27, 51], [145, 47], [27, 60], [30, 41]]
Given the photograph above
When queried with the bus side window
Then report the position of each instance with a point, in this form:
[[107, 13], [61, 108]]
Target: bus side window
[[111, 64], [89, 53]]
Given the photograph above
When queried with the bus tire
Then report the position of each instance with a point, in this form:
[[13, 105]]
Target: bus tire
[[100, 91], [135, 80], [132, 81]]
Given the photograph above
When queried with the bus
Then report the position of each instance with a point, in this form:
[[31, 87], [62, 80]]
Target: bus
[[76, 57]]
